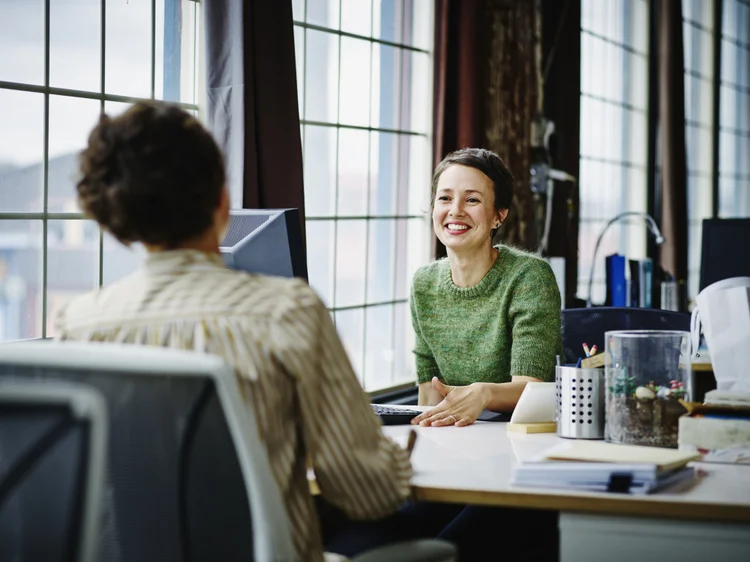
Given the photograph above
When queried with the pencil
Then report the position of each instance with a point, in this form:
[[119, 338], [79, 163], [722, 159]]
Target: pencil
[[593, 350], [586, 349]]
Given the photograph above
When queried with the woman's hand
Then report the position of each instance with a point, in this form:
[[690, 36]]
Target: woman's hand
[[461, 405]]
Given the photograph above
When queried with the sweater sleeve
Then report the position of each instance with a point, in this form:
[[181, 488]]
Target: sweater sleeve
[[425, 361], [535, 320]]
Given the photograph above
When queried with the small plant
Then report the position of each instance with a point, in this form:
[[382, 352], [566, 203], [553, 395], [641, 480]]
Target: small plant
[[623, 383]]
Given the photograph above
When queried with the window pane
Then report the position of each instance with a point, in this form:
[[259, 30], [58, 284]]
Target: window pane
[[420, 176], [75, 44], [299, 56], [72, 263], [356, 16], [386, 87], [320, 248], [418, 115], [353, 172], [381, 271], [20, 279], [388, 20], [22, 33], [70, 123], [321, 76], [177, 44], [320, 171], [418, 24], [128, 52], [354, 87], [379, 348], [298, 10], [403, 340], [21, 151], [384, 178], [351, 240], [350, 325], [323, 12], [119, 261]]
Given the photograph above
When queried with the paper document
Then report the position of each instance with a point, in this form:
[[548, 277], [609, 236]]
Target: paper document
[[665, 459], [536, 404]]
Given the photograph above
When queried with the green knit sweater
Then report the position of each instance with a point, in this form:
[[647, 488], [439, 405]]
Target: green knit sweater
[[506, 325]]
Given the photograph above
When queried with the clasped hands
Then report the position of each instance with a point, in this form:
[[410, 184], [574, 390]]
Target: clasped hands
[[461, 405]]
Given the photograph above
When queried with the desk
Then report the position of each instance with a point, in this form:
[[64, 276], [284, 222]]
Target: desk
[[474, 465]]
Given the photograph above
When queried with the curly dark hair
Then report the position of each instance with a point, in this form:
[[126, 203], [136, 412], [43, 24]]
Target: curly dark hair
[[487, 162], [152, 175]]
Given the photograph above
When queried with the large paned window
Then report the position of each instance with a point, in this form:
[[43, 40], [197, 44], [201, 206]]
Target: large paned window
[[734, 110], [698, 35], [613, 153], [365, 99], [63, 62]]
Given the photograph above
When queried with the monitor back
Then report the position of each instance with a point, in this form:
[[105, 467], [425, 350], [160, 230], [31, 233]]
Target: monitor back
[[725, 251], [265, 241], [174, 488]]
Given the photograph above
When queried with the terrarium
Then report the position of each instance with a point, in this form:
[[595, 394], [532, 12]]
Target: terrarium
[[647, 375]]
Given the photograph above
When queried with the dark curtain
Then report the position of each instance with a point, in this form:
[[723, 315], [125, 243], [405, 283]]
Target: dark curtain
[[252, 101], [460, 77], [485, 90], [561, 42], [674, 256]]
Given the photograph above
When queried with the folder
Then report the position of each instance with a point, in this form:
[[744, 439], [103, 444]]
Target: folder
[[616, 282]]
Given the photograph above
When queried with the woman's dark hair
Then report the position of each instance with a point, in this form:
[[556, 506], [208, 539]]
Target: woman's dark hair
[[487, 162], [152, 175]]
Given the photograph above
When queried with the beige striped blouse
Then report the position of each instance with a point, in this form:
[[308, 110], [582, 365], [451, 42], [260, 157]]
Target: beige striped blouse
[[306, 396]]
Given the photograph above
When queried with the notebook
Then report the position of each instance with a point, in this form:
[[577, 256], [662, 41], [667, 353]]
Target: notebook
[[590, 451]]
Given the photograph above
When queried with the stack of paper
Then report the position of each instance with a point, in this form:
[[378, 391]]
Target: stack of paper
[[604, 467]]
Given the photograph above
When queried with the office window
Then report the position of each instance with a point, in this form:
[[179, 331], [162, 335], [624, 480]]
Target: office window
[[63, 63], [613, 153], [698, 35], [365, 95], [734, 110]]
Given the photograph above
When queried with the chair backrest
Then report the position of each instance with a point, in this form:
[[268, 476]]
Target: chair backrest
[[588, 325], [186, 468], [52, 464]]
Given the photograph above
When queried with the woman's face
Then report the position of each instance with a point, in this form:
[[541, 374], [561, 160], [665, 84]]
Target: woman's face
[[463, 214]]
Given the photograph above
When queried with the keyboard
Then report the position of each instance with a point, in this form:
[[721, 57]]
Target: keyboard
[[394, 416]]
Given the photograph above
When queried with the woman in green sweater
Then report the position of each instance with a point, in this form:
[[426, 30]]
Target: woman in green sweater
[[486, 318]]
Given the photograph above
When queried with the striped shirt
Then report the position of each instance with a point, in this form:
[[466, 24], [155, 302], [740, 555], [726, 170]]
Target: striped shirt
[[307, 399]]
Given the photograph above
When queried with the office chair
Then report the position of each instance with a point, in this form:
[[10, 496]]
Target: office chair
[[588, 325], [188, 475], [52, 465]]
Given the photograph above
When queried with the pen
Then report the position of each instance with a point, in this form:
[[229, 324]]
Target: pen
[[593, 350], [586, 349]]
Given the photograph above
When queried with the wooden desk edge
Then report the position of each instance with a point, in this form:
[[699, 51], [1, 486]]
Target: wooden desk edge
[[589, 504]]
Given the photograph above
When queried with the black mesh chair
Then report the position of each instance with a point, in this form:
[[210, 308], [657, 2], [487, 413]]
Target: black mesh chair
[[588, 325]]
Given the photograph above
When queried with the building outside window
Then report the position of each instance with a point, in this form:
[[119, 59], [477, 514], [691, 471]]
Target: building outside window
[[364, 73], [69, 61], [613, 153]]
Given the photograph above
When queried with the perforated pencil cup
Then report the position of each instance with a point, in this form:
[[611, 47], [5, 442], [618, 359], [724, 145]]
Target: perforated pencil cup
[[648, 373], [580, 402]]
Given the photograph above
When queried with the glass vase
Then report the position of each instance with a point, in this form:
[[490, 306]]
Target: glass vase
[[647, 375]]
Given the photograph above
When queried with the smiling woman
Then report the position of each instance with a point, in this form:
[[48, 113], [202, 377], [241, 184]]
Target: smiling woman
[[486, 318]]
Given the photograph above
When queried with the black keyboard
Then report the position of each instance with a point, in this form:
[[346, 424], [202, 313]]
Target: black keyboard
[[394, 416]]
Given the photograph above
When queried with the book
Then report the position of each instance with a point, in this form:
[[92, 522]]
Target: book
[[634, 286], [645, 282], [590, 451], [636, 478], [616, 284]]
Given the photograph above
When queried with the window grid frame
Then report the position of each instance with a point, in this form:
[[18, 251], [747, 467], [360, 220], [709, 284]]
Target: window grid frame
[[405, 84], [46, 90]]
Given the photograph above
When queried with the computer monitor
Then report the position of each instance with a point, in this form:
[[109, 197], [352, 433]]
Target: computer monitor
[[267, 241], [726, 250]]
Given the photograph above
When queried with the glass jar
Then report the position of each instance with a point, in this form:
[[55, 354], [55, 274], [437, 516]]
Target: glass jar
[[647, 374]]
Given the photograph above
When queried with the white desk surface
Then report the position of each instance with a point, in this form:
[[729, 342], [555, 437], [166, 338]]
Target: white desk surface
[[474, 465]]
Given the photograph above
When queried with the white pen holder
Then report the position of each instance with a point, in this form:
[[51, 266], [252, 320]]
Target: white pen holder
[[580, 402]]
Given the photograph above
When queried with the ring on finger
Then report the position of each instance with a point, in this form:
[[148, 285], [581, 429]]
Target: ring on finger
[[452, 417]]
